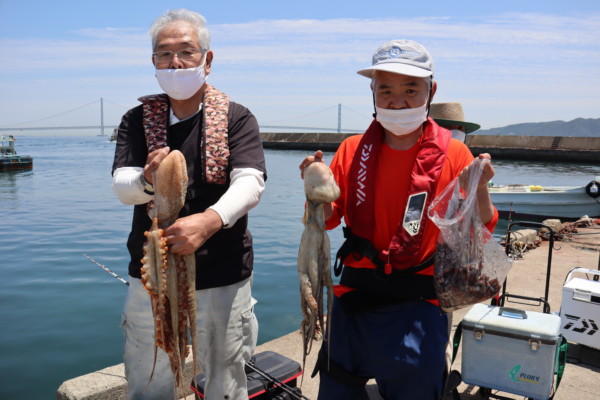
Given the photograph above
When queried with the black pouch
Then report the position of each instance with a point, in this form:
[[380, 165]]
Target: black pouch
[[373, 293]]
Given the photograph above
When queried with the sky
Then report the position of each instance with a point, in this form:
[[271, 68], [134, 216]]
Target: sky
[[292, 63]]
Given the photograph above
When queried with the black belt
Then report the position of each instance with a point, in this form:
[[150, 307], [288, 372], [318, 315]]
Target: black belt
[[360, 247], [376, 288]]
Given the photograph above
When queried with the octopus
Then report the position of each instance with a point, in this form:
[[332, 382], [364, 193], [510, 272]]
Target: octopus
[[314, 255], [169, 278], [460, 282]]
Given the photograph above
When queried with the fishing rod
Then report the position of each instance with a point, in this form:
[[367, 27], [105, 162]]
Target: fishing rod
[[507, 250], [507, 243], [286, 388], [106, 269]]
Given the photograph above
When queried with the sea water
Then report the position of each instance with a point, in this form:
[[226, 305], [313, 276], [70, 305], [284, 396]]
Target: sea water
[[60, 313]]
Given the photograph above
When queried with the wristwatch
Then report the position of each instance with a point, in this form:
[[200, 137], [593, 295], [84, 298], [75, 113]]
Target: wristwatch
[[148, 188]]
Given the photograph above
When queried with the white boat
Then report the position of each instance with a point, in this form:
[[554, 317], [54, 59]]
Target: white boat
[[537, 202]]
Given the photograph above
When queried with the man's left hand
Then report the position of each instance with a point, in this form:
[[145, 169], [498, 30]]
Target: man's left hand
[[187, 234], [486, 209], [486, 175]]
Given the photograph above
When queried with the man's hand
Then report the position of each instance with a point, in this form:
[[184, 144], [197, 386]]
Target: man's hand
[[486, 209], [486, 175], [152, 162], [187, 234], [317, 157]]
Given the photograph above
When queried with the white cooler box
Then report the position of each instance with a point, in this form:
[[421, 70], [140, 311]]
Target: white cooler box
[[580, 308], [511, 350]]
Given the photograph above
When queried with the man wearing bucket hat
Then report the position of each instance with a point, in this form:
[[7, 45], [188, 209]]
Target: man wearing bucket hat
[[451, 116], [385, 321]]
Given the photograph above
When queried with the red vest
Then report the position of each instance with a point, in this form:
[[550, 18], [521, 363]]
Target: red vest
[[404, 247]]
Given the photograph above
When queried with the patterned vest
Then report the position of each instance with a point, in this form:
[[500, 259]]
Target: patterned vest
[[215, 143]]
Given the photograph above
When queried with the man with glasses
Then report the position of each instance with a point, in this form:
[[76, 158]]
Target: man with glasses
[[226, 169]]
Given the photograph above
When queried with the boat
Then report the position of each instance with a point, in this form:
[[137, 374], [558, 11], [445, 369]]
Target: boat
[[9, 159], [113, 136], [538, 203]]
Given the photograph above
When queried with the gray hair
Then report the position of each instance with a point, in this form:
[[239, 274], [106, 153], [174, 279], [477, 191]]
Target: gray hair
[[193, 18]]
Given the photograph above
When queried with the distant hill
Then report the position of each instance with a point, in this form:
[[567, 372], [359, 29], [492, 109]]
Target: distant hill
[[580, 127]]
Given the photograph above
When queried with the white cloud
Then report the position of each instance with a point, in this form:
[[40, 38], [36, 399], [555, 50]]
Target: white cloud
[[526, 64]]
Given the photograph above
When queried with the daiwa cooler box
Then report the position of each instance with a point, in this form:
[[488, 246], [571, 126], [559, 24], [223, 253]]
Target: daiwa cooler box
[[510, 350], [270, 376], [580, 308]]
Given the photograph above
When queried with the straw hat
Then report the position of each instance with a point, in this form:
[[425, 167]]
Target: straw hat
[[451, 114]]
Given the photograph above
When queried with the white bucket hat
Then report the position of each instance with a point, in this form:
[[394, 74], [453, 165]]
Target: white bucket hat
[[402, 56]]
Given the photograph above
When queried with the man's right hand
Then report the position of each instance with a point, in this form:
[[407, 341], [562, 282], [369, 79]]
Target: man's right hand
[[153, 161], [317, 157]]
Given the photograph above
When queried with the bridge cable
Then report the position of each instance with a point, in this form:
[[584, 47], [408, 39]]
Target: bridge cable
[[356, 112], [115, 104], [52, 116]]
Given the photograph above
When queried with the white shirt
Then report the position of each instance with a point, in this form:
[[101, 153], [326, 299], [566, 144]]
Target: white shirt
[[244, 192]]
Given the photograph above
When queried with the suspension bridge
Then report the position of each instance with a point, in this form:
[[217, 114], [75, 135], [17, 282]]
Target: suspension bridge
[[102, 127]]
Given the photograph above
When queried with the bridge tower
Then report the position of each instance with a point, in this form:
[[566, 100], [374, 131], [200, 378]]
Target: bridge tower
[[339, 118], [101, 116]]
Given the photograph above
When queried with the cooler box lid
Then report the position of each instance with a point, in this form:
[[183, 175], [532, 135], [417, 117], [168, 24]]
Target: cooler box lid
[[584, 284], [504, 321]]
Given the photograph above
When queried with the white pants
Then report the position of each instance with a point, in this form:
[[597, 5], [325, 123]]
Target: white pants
[[226, 336]]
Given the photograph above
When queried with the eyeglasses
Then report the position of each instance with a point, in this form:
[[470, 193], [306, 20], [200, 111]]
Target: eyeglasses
[[189, 54]]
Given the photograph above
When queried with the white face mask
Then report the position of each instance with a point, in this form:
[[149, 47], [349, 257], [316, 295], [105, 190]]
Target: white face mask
[[181, 84], [458, 134], [402, 122]]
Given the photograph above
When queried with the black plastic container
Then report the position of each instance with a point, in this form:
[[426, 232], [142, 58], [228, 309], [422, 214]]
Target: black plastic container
[[271, 376]]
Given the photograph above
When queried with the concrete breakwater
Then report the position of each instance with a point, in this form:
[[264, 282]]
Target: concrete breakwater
[[303, 141], [538, 148]]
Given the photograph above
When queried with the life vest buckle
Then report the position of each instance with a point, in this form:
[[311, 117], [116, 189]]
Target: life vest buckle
[[387, 268]]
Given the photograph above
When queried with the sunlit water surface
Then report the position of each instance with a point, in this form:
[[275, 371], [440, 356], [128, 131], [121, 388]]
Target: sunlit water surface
[[61, 313]]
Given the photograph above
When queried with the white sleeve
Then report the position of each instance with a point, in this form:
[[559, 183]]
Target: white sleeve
[[127, 186], [244, 193]]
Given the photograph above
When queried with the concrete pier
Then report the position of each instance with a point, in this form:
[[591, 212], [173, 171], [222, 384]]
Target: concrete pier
[[527, 277]]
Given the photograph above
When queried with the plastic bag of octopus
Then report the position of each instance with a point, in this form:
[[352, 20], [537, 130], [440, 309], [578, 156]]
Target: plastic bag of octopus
[[470, 265]]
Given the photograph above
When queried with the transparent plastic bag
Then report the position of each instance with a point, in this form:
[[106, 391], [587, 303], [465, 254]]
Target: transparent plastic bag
[[470, 265]]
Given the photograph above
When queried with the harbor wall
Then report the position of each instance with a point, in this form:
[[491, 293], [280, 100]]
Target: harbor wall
[[539, 148], [326, 141]]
